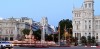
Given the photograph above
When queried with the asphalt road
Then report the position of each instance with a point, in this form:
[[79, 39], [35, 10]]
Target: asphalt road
[[56, 48]]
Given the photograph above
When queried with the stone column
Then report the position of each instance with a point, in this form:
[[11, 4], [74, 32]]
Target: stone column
[[43, 35], [15, 33]]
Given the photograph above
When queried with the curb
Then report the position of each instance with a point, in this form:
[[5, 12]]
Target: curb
[[93, 46]]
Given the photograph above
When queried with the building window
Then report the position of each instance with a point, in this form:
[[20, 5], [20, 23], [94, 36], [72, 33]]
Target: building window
[[79, 14], [85, 21], [97, 34], [75, 22], [79, 22], [89, 34], [96, 21], [89, 5], [11, 38], [85, 34], [89, 21], [11, 31], [90, 14], [89, 26], [93, 33], [6, 38], [6, 31], [74, 14], [85, 5], [96, 37]]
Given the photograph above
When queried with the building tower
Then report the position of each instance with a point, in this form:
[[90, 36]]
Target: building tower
[[83, 20], [89, 7], [88, 19]]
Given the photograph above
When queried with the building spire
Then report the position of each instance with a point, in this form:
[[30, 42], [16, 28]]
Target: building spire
[[73, 4]]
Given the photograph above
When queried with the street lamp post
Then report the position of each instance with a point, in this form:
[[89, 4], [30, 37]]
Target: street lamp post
[[69, 35], [53, 36], [65, 33]]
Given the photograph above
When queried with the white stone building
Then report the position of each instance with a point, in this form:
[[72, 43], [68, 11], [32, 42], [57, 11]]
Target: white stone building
[[12, 27], [84, 22]]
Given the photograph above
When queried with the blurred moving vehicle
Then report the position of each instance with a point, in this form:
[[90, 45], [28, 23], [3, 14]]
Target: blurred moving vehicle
[[5, 44]]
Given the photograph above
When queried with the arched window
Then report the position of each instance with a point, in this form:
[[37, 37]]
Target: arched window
[[11, 38], [6, 38]]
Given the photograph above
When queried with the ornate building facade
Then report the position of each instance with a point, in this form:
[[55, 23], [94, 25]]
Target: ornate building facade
[[11, 28], [85, 23]]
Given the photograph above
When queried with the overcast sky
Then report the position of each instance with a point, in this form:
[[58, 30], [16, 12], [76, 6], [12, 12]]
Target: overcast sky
[[55, 10]]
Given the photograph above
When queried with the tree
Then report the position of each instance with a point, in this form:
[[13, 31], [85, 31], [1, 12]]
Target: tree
[[89, 40], [26, 31], [76, 41], [68, 24], [83, 40], [49, 37], [93, 41], [37, 34]]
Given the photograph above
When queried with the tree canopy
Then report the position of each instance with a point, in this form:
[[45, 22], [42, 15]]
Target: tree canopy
[[37, 34], [26, 31], [65, 23]]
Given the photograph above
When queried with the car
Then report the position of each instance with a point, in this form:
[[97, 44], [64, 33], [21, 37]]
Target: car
[[5, 44]]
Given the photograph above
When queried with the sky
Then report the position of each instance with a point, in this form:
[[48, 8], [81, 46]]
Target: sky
[[54, 10]]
